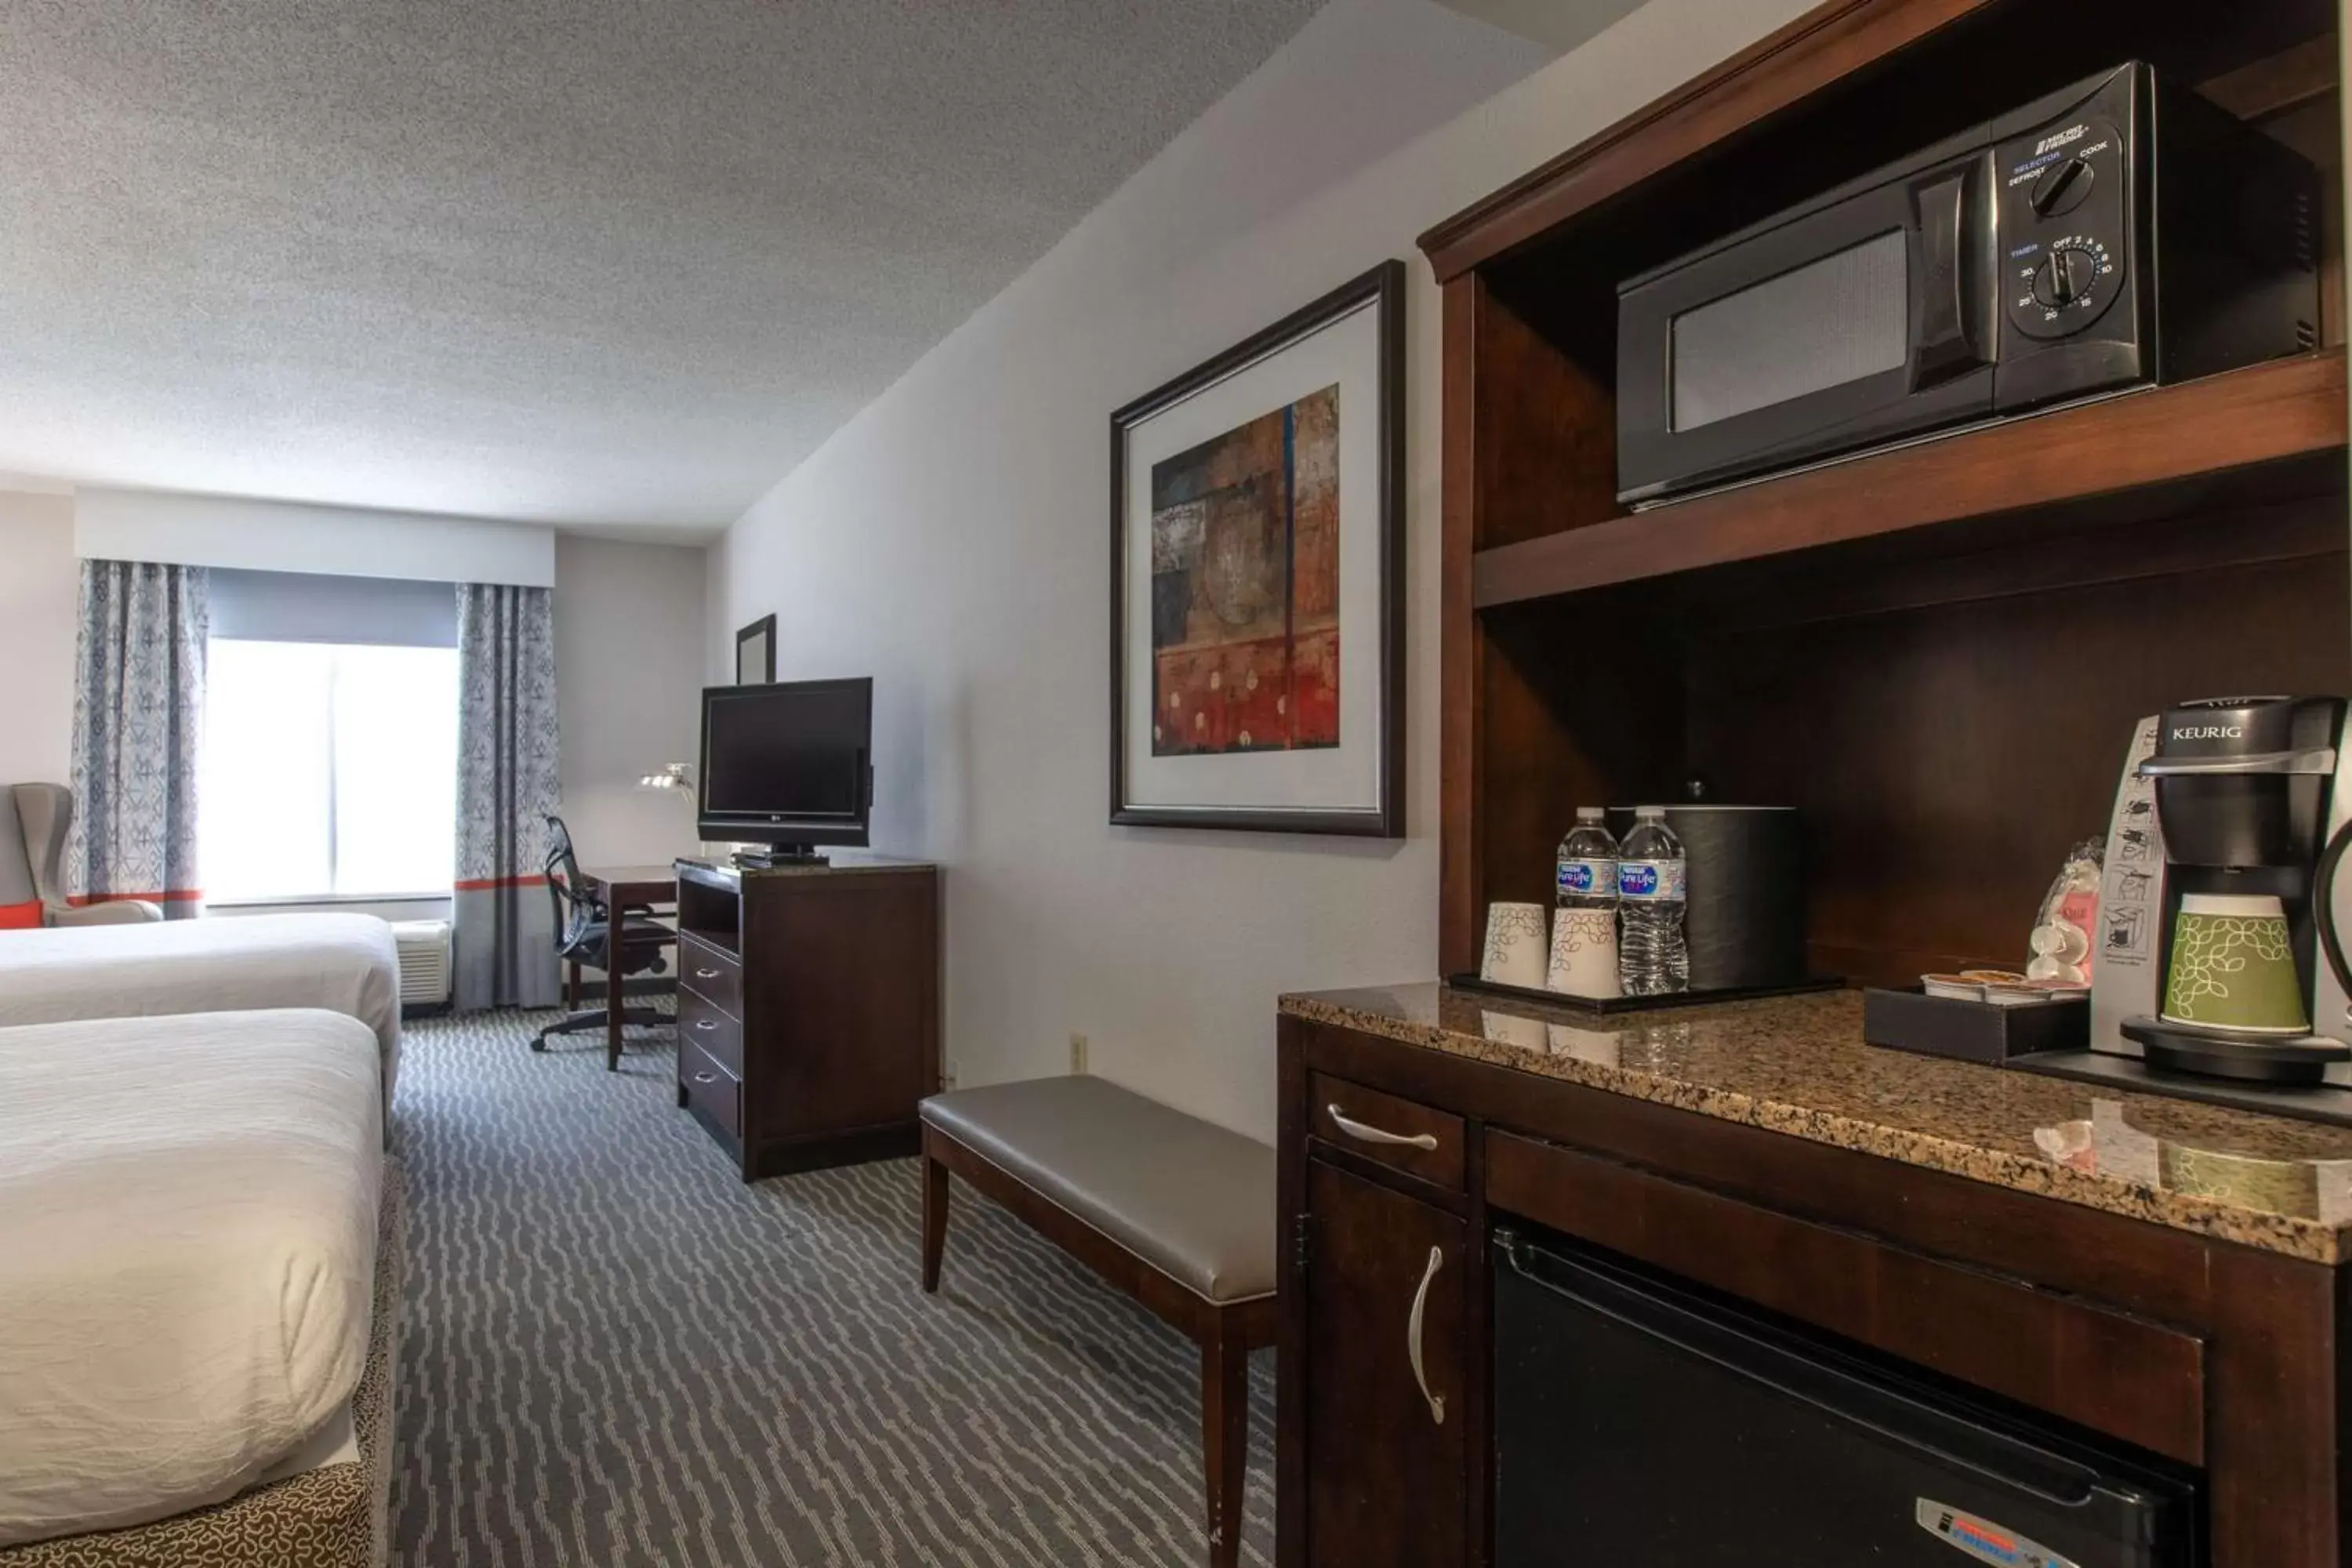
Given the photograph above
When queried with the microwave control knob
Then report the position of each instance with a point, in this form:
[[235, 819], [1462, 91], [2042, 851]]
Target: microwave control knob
[[2061, 188], [2066, 277]]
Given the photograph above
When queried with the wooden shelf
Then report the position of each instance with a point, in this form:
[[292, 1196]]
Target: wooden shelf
[[2197, 431], [1934, 654]]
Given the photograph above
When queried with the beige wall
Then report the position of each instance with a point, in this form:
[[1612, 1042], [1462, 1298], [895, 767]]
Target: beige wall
[[39, 589], [628, 660], [951, 541]]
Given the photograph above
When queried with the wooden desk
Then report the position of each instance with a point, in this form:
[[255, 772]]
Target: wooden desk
[[618, 888]]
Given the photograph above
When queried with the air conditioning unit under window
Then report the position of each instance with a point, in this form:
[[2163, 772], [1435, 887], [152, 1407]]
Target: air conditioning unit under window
[[424, 947]]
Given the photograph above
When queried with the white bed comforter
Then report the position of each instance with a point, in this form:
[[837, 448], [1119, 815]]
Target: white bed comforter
[[188, 1212], [346, 964]]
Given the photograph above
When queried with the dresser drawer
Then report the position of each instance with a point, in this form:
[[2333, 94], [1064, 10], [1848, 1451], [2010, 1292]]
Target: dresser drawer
[[701, 1024], [712, 974], [710, 1088], [1409, 1137]]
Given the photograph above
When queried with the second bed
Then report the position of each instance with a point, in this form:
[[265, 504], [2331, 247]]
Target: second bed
[[344, 964]]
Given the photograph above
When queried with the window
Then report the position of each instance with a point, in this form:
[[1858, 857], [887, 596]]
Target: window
[[329, 769]]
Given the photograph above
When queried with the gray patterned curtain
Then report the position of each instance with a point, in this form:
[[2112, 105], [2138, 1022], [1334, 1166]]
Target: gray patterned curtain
[[505, 936], [139, 703]]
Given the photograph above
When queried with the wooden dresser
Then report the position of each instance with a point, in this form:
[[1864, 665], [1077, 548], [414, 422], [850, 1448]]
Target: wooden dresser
[[808, 1009]]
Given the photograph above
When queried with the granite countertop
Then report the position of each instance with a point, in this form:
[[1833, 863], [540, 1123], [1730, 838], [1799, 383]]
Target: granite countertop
[[1799, 1065]]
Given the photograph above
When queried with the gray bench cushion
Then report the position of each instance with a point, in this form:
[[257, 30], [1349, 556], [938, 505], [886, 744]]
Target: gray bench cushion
[[1191, 1199]]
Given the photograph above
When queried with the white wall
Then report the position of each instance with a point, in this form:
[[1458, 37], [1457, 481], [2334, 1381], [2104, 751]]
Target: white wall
[[628, 664], [39, 604], [628, 652], [329, 541], [951, 541]]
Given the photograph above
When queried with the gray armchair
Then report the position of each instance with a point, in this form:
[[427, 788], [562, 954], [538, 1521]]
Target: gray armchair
[[32, 845]]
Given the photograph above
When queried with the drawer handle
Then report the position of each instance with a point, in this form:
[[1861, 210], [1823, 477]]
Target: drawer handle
[[705, 1024], [706, 974], [706, 1077], [1363, 1134], [1412, 1337]]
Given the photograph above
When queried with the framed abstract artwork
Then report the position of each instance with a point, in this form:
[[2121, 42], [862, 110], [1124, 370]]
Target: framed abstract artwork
[[1257, 580], [755, 653]]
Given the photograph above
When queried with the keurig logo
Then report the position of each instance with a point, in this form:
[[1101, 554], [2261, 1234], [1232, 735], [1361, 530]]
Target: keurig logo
[[2209, 732]]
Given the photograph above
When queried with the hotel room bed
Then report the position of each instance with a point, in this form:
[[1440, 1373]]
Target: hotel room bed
[[346, 964], [199, 1264]]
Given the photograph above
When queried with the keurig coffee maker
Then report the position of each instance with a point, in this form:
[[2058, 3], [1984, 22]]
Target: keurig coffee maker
[[2216, 950]]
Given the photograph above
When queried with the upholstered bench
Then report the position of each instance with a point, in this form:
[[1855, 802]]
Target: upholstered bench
[[1176, 1212]]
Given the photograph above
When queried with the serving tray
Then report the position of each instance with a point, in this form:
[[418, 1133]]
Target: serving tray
[[1609, 1004]]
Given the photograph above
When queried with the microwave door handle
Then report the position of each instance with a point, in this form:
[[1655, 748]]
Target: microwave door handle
[[1950, 218]]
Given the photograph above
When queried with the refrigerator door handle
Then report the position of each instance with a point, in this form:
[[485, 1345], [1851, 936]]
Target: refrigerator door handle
[[1413, 1336]]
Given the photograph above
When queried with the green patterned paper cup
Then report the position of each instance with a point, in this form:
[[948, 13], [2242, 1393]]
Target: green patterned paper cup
[[2232, 967]]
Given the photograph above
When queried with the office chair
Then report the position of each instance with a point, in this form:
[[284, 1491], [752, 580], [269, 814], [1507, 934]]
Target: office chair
[[584, 934]]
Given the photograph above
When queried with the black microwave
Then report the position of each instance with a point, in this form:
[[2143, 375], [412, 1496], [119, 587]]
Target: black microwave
[[2121, 233]]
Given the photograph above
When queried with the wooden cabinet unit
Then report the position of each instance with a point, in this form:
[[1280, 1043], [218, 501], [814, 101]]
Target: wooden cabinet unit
[[1384, 1323], [1903, 1210], [1936, 652], [808, 1009]]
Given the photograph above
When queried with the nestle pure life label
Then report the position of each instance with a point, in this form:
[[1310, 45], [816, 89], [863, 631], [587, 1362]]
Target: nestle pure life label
[[1581, 878], [1659, 880]]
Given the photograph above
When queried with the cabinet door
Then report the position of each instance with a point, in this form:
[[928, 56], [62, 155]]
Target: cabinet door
[[1385, 1462]]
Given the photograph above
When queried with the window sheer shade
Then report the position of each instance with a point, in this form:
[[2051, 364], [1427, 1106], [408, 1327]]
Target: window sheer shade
[[295, 606], [330, 738]]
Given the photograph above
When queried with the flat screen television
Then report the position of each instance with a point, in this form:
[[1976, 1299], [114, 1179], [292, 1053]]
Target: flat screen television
[[789, 764]]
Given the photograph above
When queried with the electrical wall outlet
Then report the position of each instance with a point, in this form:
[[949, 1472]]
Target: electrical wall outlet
[[1077, 1052]]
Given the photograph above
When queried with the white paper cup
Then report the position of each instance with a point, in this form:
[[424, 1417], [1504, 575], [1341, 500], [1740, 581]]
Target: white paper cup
[[1517, 936], [1584, 954]]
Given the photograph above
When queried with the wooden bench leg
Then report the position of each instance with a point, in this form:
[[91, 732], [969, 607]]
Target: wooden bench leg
[[935, 1220], [1225, 1437]]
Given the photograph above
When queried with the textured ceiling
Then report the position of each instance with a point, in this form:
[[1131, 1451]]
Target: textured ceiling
[[1561, 23], [596, 262]]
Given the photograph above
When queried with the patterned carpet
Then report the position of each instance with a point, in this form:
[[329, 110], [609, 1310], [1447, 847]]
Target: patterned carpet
[[615, 1354]]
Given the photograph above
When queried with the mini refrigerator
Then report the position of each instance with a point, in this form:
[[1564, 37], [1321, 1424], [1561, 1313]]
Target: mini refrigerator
[[1641, 1422]]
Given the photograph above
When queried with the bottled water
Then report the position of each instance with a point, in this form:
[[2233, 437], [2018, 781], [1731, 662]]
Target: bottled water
[[1587, 864], [1652, 960]]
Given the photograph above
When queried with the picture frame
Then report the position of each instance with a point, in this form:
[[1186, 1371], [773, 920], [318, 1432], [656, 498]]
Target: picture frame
[[1258, 608], [755, 653]]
